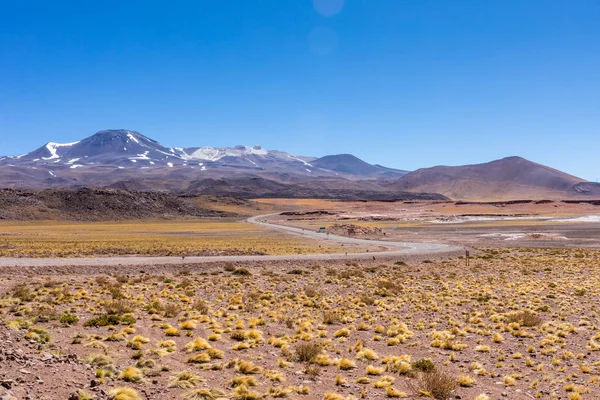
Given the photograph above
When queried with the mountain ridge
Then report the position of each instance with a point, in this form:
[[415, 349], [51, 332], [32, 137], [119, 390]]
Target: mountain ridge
[[121, 158], [122, 148]]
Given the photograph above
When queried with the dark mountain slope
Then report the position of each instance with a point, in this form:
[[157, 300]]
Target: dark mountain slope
[[349, 164]]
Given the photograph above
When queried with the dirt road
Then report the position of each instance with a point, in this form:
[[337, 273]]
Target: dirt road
[[392, 249]]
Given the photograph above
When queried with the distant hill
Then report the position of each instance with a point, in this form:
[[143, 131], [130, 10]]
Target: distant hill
[[508, 178], [98, 205], [349, 164], [249, 187]]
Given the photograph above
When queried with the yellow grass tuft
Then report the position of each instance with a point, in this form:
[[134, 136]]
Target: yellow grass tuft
[[346, 364], [124, 393], [131, 374], [466, 381], [391, 392]]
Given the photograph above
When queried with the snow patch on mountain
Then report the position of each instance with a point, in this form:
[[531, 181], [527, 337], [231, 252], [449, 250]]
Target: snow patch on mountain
[[53, 149], [299, 159], [142, 156], [130, 136], [210, 153]]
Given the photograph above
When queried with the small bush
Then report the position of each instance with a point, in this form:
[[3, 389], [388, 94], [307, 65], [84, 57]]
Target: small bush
[[69, 319], [171, 310], [331, 317], [38, 335], [306, 352], [201, 306], [241, 272], [22, 292], [117, 306], [424, 365], [298, 272], [313, 371], [439, 384], [116, 292], [368, 300], [525, 318], [388, 285], [229, 267], [109, 319]]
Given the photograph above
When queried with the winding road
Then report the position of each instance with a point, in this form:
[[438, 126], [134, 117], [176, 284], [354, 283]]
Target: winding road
[[393, 249]]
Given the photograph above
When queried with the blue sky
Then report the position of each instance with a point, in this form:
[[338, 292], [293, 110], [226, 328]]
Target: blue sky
[[403, 83]]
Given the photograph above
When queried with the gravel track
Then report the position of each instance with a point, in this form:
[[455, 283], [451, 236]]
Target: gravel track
[[392, 249]]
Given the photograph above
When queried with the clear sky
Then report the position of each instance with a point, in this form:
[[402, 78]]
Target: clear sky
[[403, 83]]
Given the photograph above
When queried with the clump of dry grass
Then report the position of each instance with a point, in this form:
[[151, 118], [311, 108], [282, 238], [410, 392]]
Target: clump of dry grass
[[185, 380], [331, 317], [204, 394], [117, 306], [307, 352], [437, 383], [524, 318], [124, 393], [131, 374]]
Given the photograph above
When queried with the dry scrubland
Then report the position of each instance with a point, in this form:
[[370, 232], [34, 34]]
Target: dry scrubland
[[515, 324], [156, 238], [545, 208]]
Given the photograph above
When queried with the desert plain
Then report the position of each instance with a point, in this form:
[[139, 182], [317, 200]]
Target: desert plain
[[518, 321]]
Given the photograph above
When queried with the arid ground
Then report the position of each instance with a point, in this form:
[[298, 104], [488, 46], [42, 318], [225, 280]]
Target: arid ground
[[520, 321], [556, 224]]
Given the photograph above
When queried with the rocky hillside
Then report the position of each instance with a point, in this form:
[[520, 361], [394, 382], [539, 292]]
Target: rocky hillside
[[98, 205]]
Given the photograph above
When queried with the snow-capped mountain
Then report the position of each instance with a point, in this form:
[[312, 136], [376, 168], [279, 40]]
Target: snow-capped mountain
[[109, 147], [253, 157], [114, 155], [124, 148]]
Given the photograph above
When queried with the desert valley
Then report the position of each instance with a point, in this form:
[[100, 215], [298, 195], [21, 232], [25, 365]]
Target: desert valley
[[129, 270]]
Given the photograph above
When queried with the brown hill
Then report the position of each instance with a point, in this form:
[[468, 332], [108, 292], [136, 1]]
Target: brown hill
[[98, 205], [255, 187], [505, 179]]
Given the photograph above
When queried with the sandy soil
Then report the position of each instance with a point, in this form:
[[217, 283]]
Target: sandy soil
[[361, 312]]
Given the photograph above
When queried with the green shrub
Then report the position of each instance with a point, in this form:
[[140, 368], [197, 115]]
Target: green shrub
[[110, 319], [423, 364], [38, 335], [241, 272], [68, 319]]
